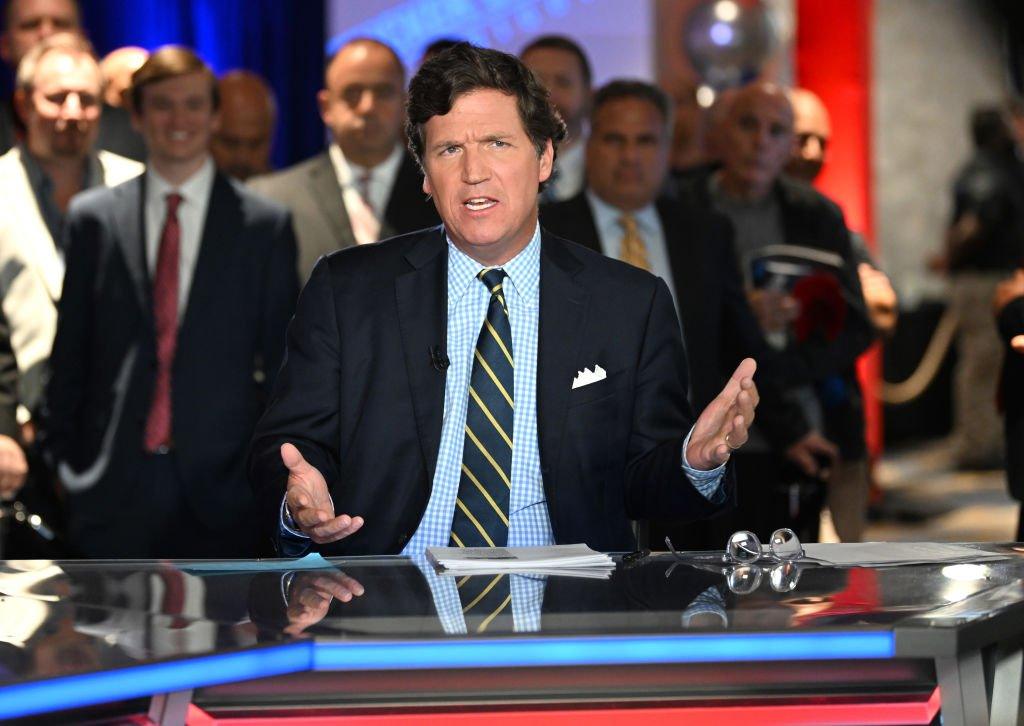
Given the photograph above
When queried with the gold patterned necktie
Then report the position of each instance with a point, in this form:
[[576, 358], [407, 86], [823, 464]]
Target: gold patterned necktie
[[633, 249]]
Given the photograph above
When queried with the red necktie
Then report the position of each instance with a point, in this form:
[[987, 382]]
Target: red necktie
[[165, 316], [174, 597]]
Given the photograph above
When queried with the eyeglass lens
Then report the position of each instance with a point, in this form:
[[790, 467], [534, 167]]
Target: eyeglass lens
[[743, 547], [785, 545]]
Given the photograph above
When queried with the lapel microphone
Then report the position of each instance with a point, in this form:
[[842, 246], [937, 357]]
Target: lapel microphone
[[438, 359]]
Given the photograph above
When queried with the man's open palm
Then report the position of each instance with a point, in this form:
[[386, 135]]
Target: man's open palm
[[310, 502], [723, 424]]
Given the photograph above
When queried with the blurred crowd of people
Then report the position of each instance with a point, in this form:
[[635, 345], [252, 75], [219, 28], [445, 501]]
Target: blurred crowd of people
[[145, 289]]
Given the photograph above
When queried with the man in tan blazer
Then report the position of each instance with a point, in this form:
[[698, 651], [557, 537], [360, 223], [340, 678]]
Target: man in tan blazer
[[58, 96]]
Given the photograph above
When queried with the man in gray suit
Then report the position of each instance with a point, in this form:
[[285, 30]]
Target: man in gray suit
[[365, 186]]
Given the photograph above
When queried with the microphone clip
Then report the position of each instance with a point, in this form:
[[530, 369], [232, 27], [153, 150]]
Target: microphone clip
[[439, 359]]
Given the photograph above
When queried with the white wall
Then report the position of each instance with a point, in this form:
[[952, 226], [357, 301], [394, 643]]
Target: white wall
[[616, 34], [933, 61]]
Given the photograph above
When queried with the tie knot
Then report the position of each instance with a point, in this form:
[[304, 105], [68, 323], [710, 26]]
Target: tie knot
[[173, 200], [628, 222], [492, 277]]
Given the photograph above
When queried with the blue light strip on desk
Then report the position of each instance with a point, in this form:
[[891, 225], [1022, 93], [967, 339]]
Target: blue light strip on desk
[[26, 699], [517, 652]]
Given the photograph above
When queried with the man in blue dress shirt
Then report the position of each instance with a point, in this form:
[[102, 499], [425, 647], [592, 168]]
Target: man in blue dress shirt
[[484, 383]]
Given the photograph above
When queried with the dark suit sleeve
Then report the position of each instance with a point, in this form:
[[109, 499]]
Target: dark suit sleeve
[[783, 423], [303, 409], [8, 383], [656, 485], [281, 289], [69, 359]]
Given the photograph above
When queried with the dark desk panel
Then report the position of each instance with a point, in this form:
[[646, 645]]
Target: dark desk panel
[[661, 631]]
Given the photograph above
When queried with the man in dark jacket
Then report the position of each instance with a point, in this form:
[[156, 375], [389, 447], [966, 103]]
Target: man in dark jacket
[[819, 336]]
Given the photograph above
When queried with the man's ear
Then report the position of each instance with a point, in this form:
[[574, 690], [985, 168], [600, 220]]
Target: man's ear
[[323, 99], [547, 160], [427, 189], [136, 115]]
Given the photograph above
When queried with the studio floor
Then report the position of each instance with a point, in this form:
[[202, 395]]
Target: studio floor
[[927, 500]]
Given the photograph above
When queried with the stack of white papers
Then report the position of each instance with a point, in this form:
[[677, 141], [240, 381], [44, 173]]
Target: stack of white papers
[[881, 554], [575, 560]]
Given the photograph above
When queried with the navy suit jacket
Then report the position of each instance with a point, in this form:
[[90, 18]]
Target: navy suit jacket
[[230, 345], [359, 396], [718, 325]]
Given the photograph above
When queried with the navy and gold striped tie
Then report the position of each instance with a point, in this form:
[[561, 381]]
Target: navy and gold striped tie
[[481, 508], [484, 598]]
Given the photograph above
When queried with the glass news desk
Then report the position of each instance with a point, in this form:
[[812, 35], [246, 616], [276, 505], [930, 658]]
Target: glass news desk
[[257, 643]]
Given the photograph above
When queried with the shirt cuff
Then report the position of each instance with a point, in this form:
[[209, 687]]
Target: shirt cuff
[[708, 482], [709, 602], [291, 542]]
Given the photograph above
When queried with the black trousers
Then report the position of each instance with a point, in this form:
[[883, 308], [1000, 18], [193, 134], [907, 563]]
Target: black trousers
[[158, 522]]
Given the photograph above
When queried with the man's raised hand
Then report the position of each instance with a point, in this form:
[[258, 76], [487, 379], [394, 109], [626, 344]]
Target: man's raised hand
[[310, 503], [722, 426]]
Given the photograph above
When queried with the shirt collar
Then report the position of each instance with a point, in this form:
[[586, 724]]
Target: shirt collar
[[721, 199], [607, 217], [348, 172], [92, 171], [523, 271], [194, 190]]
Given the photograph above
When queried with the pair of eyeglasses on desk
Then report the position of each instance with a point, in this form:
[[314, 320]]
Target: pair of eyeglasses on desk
[[744, 552]]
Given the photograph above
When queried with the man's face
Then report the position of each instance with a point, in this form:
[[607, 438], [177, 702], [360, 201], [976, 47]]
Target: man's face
[[483, 172], [812, 131], [176, 119], [627, 153], [32, 20], [62, 109], [241, 147], [756, 139], [561, 74], [364, 102]]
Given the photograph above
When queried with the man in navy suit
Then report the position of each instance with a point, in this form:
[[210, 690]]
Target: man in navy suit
[[485, 382], [170, 331]]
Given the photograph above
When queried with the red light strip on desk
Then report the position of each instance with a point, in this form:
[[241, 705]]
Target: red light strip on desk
[[867, 713]]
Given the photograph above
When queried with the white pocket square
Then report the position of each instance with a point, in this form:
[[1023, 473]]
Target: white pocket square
[[587, 376]]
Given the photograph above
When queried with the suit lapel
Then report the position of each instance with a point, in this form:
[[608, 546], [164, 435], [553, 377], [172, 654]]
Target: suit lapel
[[42, 260], [422, 299], [408, 183], [223, 220], [563, 314], [583, 220], [682, 257], [324, 188], [130, 231]]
